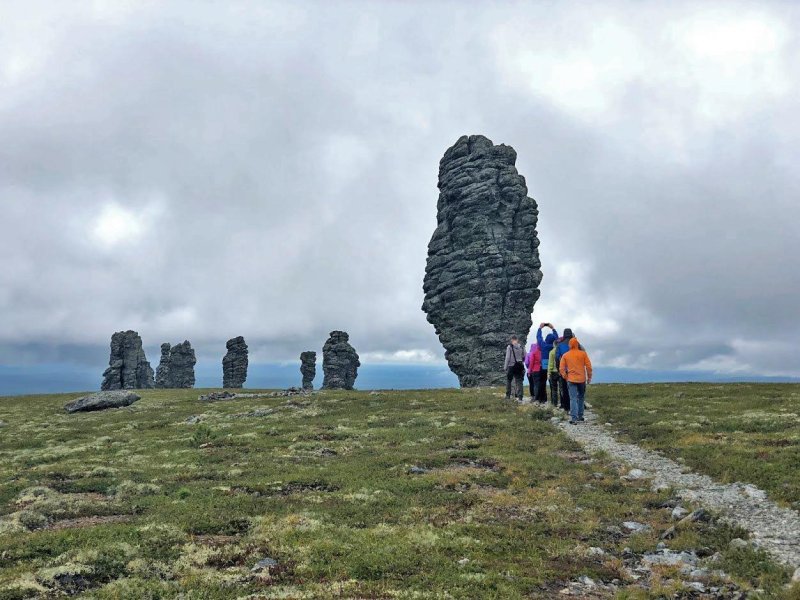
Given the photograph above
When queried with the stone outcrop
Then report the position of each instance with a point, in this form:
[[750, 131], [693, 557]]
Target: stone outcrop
[[176, 369], [308, 368], [482, 276], [234, 364], [101, 401], [128, 368], [339, 362]]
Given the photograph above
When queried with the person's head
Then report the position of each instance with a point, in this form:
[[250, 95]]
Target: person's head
[[514, 340], [573, 343], [568, 333], [551, 337]]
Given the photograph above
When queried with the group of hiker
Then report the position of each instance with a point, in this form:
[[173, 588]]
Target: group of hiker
[[560, 361]]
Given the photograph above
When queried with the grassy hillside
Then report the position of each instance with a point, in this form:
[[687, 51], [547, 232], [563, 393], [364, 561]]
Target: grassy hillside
[[733, 432], [424, 494]]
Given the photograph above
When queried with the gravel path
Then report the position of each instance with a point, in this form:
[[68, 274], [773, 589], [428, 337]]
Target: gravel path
[[772, 528]]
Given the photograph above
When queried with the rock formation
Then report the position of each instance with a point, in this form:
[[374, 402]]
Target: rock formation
[[308, 368], [101, 401], [176, 369], [128, 368], [339, 362], [234, 365], [482, 276]]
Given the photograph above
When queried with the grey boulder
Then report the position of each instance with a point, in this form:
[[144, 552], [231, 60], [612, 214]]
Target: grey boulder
[[102, 401]]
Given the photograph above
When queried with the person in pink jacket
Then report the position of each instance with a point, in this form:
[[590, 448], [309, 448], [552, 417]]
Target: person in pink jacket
[[533, 363]]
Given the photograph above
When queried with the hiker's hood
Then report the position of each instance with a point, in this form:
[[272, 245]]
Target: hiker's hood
[[551, 337], [574, 344]]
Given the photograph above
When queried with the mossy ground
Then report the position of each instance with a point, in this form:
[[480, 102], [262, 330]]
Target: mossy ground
[[747, 432], [138, 503]]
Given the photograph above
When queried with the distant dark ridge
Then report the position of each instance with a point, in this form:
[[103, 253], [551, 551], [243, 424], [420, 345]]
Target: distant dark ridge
[[56, 378]]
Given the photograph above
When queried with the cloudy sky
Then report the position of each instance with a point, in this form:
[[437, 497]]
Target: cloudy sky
[[205, 170]]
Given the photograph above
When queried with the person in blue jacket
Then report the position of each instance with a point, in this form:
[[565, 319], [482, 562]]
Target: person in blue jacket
[[545, 345]]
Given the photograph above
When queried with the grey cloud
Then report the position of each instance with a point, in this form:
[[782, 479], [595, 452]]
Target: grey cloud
[[288, 153]]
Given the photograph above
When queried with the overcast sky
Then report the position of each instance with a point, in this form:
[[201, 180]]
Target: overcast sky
[[204, 170]]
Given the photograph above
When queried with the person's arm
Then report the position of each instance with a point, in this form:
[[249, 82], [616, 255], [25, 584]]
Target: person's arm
[[528, 358], [588, 370], [563, 367], [539, 338], [508, 357]]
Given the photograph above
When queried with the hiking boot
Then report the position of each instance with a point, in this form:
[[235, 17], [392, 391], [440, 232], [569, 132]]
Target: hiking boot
[[571, 422], [581, 419]]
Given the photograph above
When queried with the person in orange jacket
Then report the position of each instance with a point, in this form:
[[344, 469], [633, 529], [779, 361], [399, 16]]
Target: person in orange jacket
[[576, 369]]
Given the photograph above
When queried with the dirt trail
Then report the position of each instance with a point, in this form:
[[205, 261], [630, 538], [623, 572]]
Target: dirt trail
[[772, 528]]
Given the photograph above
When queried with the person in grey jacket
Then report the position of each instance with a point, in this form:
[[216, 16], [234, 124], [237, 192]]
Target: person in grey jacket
[[514, 366]]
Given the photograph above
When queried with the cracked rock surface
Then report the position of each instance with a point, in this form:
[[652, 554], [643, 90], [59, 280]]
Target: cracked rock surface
[[128, 368], [176, 369], [339, 362], [482, 275], [234, 364], [308, 369]]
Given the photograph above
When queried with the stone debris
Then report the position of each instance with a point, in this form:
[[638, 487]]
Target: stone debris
[[635, 527], [308, 368], [482, 275], [772, 528], [102, 401], [216, 396], [634, 474], [264, 563], [670, 558], [415, 470], [235, 363], [128, 368], [176, 369], [679, 512], [339, 362]]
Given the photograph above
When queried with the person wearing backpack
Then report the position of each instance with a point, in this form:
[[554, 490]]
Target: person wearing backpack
[[576, 369], [514, 366], [545, 345], [533, 362]]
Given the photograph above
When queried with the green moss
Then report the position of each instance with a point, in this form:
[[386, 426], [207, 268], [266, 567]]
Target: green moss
[[324, 487]]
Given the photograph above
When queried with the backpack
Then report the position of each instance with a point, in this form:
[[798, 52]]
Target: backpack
[[519, 365]]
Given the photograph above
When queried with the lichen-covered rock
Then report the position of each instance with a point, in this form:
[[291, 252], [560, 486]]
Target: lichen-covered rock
[[482, 276], [176, 369], [101, 401], [339, 362], [128, 367], [234, 364], [308, 368]]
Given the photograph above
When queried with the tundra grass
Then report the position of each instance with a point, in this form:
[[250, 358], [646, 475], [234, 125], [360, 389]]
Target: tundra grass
[[732, 432], [413, 494]]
